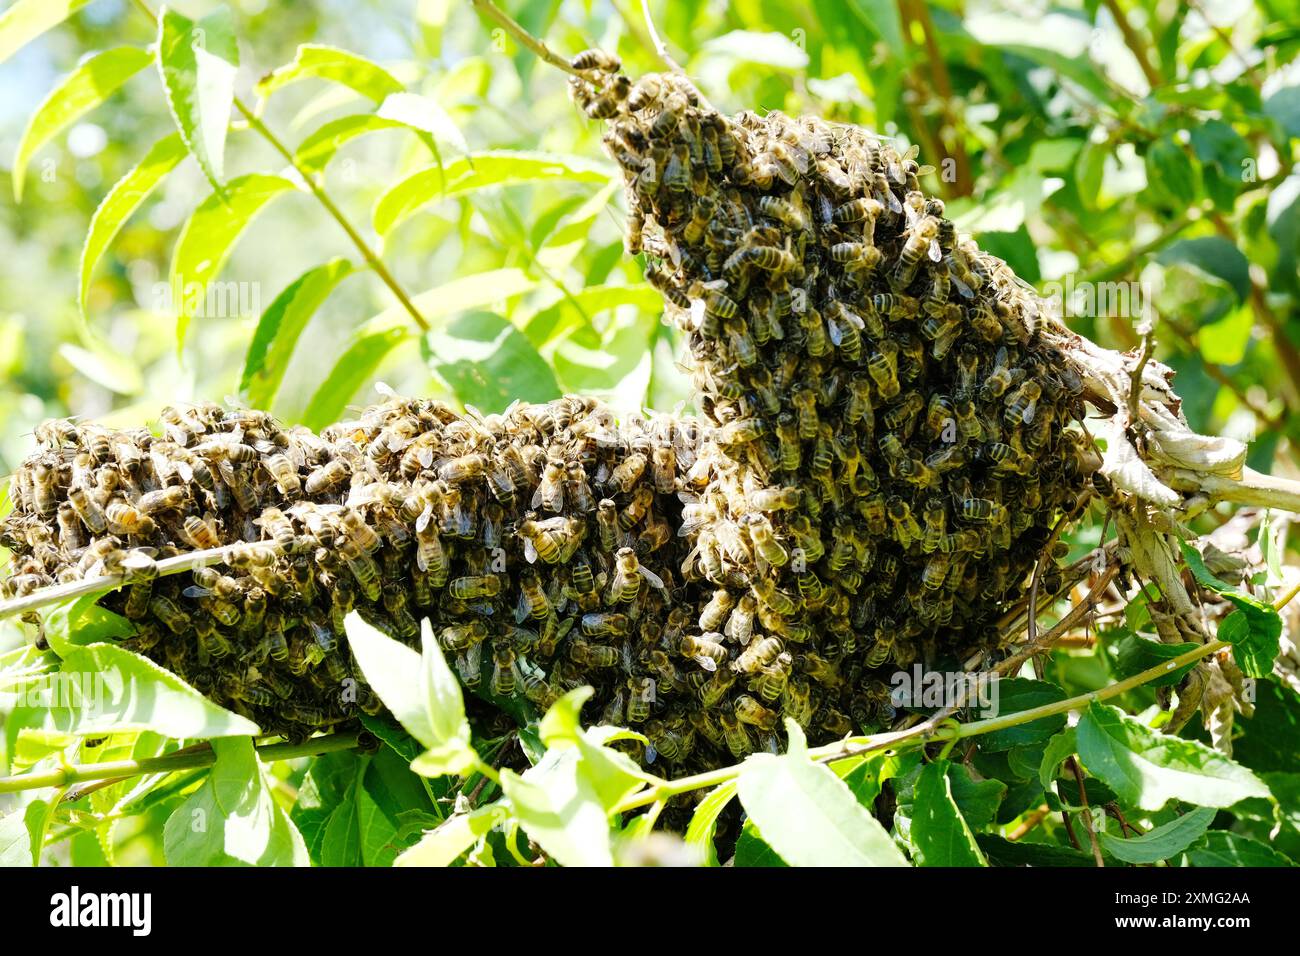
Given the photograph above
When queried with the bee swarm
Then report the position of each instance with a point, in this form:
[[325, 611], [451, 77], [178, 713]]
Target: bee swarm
[[889, 433]]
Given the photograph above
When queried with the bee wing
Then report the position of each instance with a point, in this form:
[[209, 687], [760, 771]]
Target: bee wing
[[530, 551], [836, 333], [962, 288], [708, 663], [194, 591], [936, 253], [894, 205], [537, 497], [422, 521], [386, 390], [654, 579]]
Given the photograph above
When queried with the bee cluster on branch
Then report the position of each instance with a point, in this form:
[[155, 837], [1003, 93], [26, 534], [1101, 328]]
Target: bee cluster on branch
[[901, 420], [889, 432]]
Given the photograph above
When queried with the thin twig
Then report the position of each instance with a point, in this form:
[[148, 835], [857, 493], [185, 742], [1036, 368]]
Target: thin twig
[[1134, 43], [661, 48], [58, 593], [203, 756], [538, 48], [1087, 811]]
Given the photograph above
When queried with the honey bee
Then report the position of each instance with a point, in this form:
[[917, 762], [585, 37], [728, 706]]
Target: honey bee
[[1022, 404], [627, 473], [881, 650], [882, 366], [87, 508], [471, 587], [906, 528], [596, 60], [284, 474], [363, 568], [641, 697], [625, 584], [636, 509], [782, 210], [592, 655], [169, 613], [129, 520], [605, 624], [327, 477], [505, 669]]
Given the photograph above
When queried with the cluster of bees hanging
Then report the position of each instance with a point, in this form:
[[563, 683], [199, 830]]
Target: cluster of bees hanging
[[900, 437], [884, 446]]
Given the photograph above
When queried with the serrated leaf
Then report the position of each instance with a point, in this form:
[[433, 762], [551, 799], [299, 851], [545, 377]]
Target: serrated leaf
[[1254, 629], [25, 20], [124, 199], [198, 61], [978, 800], [101, 689], [81, 621], [232, 820], [753, 852], [22, 834], [938, 831], [341, 840], [808, 815], [488, 363], [480, 171], [93, 81], [280, 327], [1147, 769], [704, 821], [331, 63], [1134, 654], [1163, 842], [209, 235], [1220, 849]]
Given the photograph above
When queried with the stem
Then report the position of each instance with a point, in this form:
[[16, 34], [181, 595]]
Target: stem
[[661, 48], [58, 593], [539, 49], [1133, 42], [335, 213], [198, 757], [1252, 489], [924, 733]]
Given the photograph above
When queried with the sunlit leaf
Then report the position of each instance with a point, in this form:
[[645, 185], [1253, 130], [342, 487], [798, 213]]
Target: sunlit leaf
[[92, 82], [122, 200], [25, 20], [330, 63], [198, 61], [480, 171], [1148, 769], [208, 238], [938, 831], [280, 326], [1160, 843]]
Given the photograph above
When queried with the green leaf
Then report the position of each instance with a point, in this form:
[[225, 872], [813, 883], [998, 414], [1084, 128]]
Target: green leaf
[[384, 332], [25, 20], [126, 196], [480, 171], [488, 363], [704, 821], [1212, 256], [1003, 852], [978, 800], [339, 66], [808, 815], [1162, 842], [1171, 173], [232, 819], [753, 852], [352, 370], [938, 831], [420, 690], [208, 237], [559, 808], [1016, 694], [1254, 629], [93, 81], [341, 840], [101, 689], [1147, 769], [315, 152], [81, 621], [280, 327], [444, 844], [1088, 170], [424, 114], [1135, 654], [198, 61], [22, 834], [1058, 749], [1220, 848], [104, 366]]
